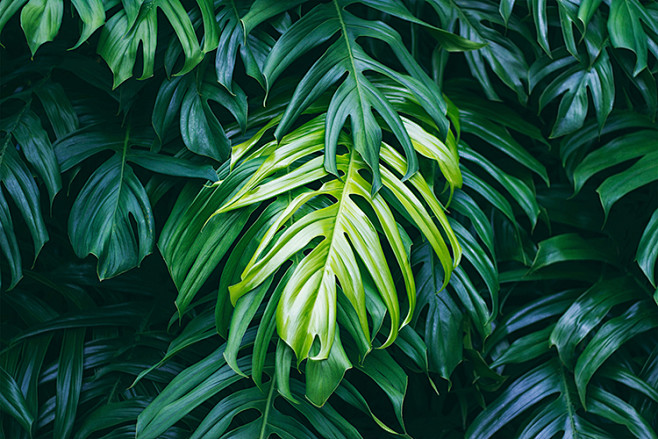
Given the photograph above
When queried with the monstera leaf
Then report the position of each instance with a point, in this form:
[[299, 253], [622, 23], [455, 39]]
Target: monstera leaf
[[101, 219], [189, 101], [346, 62], [336, 239]]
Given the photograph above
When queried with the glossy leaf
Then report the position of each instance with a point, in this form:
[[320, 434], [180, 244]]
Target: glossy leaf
[[637, 319], [587, 312], [574, 83], [570, 247], [12, 401], [647, 251], [356, 96], [69, 382], [123, 34], [21, 187], [626, 30], [113, 195], [92, 14], [619, 150], [40, 20], [643, 172]]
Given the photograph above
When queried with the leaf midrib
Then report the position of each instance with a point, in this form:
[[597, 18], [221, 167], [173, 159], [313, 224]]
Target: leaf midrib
[[354, 70], [121, 173], [268, 405], [341, 203], [568, 402]]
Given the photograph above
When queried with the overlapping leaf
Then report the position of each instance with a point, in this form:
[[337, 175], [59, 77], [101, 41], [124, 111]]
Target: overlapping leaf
[[24, 133], [499, 54], [330, 227], [197, 384], [356, 96], [137, 25], [57, 376], [200, 129], [574, 83], [101, 218]]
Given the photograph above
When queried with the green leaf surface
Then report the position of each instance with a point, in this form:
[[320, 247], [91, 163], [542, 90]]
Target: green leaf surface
[[101, 218], [92, 14], [639, 318], [35, 144], [8, 9], [12, 401], [40, 20], [647, 250], [641, 173], [122, 36], [525, 392], [356, 97], [626, 30], [324, 376], [574, 83], [572, 247], [21, 187], [619, 150], [607, 405], [587, 312], [69, 382]]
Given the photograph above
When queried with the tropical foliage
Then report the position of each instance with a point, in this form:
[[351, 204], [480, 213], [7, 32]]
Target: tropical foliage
[[340, 219]]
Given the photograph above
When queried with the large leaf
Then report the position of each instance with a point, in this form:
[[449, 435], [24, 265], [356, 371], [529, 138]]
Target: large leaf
[[200, 382], [340, 235], [12, 401], [587, 312], [356, 97], [639, 318], [111, 217], [619, 150], [625, 25]]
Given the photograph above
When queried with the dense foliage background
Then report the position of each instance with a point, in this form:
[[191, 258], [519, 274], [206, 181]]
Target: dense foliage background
[[429, 219]]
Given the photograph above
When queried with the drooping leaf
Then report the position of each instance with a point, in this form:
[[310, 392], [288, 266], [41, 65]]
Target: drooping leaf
[[100, 221], [643, 172], [639, 318], [69, 382], [587, 312], [125, 31], [21, 187], [111, 217], [572, 247], [40, 20], [619, 150], [356, 96], [524, 393], [92, 14], [12, 401], [499, 54], [307, 307], [626, 30]]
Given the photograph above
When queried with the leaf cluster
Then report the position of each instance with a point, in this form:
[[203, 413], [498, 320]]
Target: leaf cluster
[[342, 219]]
